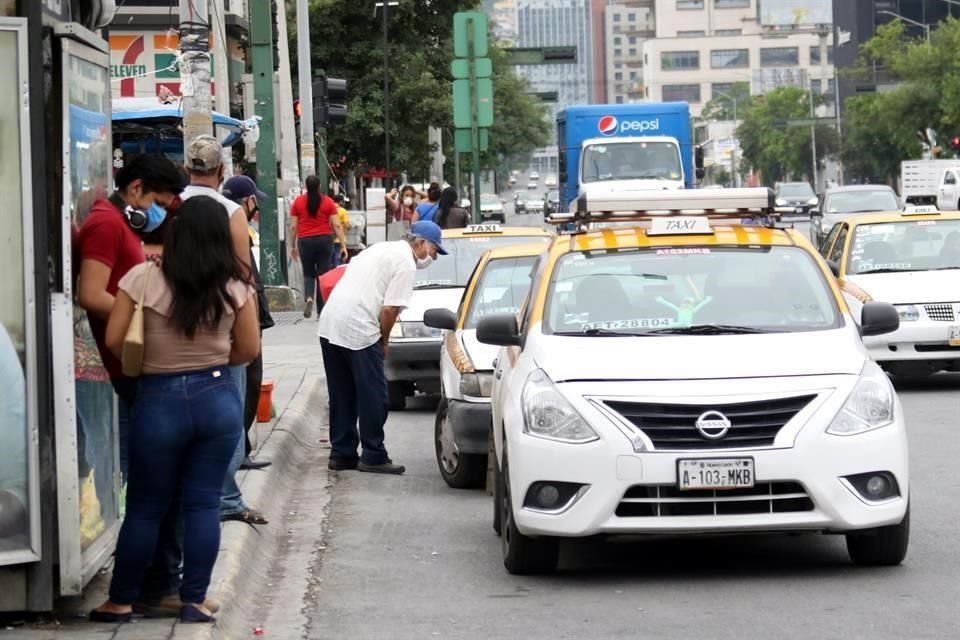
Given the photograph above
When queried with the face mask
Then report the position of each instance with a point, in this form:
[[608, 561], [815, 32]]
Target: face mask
[[423, 263], [408, 201], [155, 217]]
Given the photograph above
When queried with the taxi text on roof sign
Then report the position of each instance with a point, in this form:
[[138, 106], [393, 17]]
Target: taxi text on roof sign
[[686, 225], [483, 228], [917, 210]]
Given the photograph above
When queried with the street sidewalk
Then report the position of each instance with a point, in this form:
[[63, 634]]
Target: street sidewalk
[[292, 360]]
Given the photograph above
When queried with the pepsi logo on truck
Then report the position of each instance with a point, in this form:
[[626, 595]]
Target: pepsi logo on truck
[[611, 126]]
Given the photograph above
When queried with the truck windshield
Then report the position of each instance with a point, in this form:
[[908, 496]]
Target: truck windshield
[[632, 161]]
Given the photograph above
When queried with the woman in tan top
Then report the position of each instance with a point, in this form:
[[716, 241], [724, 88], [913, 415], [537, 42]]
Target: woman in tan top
[[200, 316]]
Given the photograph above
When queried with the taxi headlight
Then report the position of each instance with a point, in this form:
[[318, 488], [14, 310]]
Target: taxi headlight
[[781, 202], [478, 385], [908, 312], [869, 406], [417, 330], [813, 200], [547, 414]]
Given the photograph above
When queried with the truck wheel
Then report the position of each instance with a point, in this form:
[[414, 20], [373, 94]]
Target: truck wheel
[[397, 392], [880, 547], [522, 555], [459, 470]]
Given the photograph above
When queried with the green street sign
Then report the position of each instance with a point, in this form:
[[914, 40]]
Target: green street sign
[[463, 142], [461, 67], [463, 103], [542, 55], [465, 23]]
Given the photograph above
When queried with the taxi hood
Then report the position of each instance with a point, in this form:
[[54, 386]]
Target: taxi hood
[[815, 353], [423, 299], [909, 286]]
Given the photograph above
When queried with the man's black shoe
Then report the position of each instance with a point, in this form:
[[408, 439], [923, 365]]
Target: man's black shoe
[[340, 464], [387, 467], [250, 464]]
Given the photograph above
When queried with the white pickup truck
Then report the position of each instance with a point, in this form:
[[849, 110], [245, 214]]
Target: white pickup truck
[[931, 182]]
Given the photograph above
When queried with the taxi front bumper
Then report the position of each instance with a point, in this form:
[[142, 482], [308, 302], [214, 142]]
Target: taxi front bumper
[[624, 492], [470, 422], [920, 340]]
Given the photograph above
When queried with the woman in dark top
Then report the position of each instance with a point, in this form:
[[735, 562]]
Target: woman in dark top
[[450, 215]]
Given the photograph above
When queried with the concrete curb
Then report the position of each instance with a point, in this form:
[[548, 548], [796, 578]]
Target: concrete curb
[[295, 437]]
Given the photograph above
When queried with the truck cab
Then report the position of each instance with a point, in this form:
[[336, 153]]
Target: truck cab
[[948, 192], [619, 165]]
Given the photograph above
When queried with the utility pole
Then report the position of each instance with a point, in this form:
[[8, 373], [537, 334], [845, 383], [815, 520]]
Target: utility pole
[[222, 69], [825, 83], [308, 157], [386, 83], [261, 55], [195, 70], [813, 135]]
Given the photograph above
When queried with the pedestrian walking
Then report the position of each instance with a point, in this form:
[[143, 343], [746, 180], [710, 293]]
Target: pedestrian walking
[[337, 257], [108, 245], [429, 209], [354, 332], [204, 166], [451, 216], [199, 317], [243, 190], [402, 205], [314, 222]]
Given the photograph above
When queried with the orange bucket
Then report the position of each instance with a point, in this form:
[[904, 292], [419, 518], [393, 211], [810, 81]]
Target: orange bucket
[[265, 406]]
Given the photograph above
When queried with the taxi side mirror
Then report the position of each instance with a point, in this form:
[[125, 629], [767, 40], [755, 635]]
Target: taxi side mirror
[[878, 318], [500, 330], [440, 319]]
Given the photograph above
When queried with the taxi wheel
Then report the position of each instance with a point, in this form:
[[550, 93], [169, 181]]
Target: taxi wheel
[[397, 392], [522, 555], [459, 470], [880, 547]]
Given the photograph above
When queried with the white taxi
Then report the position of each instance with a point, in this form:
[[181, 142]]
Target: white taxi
[[912, 260], [413, 363], [691, 375], [462, 434]]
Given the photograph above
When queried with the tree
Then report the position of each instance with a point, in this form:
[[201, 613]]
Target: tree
[[880, 130], [346, 43], [769, 144], [721, 107]]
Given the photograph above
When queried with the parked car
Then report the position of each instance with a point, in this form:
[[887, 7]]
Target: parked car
[[842, 202], [795, 198]]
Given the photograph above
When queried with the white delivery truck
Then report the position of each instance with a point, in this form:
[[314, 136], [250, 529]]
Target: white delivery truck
[[930, 182]]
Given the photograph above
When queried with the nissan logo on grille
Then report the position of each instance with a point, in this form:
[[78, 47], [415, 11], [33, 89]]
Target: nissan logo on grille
[[713, 425]]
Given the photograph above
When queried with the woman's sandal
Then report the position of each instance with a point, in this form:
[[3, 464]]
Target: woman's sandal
[[248, 515], [109, 616]]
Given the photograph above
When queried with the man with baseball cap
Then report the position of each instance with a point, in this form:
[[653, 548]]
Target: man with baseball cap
[[354, 331]]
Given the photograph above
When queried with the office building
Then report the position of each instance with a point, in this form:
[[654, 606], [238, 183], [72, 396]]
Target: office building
[[627, 25]]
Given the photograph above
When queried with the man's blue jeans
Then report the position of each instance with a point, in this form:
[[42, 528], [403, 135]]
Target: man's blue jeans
[[183, 431], [232, 500], [358, 394]]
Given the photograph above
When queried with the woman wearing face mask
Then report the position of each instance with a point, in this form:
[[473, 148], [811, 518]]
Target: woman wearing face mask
[[355, 327], [402, 205]]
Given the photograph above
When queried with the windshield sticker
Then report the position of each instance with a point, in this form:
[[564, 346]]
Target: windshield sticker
[[478, 239], [430, 283], [686, 310], [563, 287], [635, 323], [867, 265], [878, 229], [926, 223], [495, 310], [684, 251]]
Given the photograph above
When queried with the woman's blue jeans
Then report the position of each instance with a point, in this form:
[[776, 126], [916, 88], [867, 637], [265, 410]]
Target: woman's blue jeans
[[183, 432]]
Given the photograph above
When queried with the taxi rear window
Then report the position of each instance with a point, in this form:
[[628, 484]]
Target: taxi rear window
[[669, 290]]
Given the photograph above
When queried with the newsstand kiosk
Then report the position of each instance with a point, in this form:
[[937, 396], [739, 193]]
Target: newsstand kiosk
[[59, 477]]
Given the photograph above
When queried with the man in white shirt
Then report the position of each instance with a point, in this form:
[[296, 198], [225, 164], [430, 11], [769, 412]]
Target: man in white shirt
[[354, 331]]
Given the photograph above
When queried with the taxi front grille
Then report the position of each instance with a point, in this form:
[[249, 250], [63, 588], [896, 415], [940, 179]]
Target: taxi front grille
[[657, 501], [673, 426], [940, 312]]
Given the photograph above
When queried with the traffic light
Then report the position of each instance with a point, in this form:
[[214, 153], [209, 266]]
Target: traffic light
[[955, 143], [297, 109], [329, 101]]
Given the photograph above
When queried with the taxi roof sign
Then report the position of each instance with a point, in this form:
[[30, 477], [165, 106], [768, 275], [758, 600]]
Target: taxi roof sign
[[920, 210], [648, 205], [483, 228], [680, 225]]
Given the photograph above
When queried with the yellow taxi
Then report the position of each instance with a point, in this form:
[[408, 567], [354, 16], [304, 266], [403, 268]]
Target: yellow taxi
[[696, 373], [413, 363], [461, 437], [910, 259]]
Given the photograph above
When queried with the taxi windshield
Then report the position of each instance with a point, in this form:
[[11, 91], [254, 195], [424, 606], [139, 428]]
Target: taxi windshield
[[454, 270], [910, 245], [695, 290], [501, 289], [632, 161]]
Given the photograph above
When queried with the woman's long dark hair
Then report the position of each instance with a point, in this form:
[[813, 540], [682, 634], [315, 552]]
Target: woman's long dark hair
[[448, 200], [198, 262], [313, 195]]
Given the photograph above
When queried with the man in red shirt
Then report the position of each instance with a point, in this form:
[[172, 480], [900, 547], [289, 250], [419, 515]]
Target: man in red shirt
[[109, 245]]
